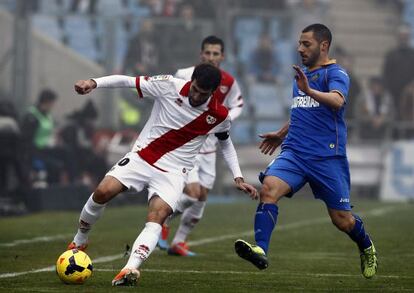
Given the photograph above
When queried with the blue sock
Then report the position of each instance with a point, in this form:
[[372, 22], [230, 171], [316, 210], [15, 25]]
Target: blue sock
[[264, 222], [359, 235]]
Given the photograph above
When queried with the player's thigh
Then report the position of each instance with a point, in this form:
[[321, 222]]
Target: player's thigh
[[284, 176], [330, 182], [107, 189]]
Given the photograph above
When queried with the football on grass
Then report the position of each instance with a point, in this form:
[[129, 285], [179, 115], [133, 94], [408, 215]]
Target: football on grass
[[74, 267]]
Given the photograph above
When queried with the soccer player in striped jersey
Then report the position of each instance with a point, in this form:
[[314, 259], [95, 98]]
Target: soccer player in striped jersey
[[201, 179], [183, 115], [313, 151]]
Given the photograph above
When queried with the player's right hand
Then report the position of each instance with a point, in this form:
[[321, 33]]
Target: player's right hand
[[270, 143], [84, 87]]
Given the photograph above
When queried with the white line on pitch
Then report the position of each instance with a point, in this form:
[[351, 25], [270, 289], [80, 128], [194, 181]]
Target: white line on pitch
[[376, 212], [300, 224], [36, 239], [260, 273]]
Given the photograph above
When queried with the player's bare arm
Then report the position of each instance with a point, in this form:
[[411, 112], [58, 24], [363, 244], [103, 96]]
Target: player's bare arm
[[332, 99], [84, 87], [272, 140]]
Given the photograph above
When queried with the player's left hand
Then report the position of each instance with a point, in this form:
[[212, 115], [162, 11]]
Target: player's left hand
[[301, 80], [246, 187]]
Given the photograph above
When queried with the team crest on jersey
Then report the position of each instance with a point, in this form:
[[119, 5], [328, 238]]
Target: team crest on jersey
[[210, 119], [223, 89], [315, 77]]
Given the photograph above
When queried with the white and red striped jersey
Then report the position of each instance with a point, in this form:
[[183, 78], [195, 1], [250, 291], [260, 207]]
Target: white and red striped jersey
[[228, 93], [175, 131]]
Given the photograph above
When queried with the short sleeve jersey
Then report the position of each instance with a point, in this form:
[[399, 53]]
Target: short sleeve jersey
[[316, 129], [175, 131]]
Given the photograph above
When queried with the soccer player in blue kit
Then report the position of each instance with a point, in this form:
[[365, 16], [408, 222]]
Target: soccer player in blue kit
[[313, 151]]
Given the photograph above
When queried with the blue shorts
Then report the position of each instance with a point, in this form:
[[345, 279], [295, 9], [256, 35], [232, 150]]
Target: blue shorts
[[328, 177]]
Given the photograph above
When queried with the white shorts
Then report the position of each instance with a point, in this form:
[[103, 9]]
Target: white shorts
[[135, 173], [204, 171]]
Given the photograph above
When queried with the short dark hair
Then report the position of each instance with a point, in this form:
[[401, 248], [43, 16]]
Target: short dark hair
[[212, 40], [46, 95], [320, 31], [208, 76]]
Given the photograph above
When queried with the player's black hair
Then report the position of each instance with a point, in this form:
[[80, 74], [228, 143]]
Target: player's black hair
[[320, 31], [212, 40], [208, 76], [46, 95]]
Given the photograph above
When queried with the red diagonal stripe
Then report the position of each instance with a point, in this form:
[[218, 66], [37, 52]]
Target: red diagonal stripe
[[177, 137]]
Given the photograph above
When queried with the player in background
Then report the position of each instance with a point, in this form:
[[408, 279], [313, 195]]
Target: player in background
[[201, 179], [183, 115], [313, 151]]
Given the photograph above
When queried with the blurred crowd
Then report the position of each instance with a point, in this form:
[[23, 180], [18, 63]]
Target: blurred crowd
[[36, 153], [259, 51]]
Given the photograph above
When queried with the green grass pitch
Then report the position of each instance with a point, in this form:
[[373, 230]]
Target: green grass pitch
[[307, 253]]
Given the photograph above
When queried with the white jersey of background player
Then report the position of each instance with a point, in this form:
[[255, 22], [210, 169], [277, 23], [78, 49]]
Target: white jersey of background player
[[184, 113], [201, 179]]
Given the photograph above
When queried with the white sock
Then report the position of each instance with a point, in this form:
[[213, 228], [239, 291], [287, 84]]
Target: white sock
[[144, 245], [189, 219], [184, 202], [90, 213]]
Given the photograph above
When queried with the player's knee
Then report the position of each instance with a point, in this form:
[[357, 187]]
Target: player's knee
[[343, 222], [158, 215], [193, 190], [268, 194], [102, 194]]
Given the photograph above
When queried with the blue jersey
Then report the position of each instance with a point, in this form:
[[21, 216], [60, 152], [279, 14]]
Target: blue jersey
[[315, 129]]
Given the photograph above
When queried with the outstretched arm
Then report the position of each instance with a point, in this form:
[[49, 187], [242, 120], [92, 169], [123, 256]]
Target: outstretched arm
[[84, 87], [230, 156], [272, 140]]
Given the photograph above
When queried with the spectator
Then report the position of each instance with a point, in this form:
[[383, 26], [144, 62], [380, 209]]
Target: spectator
[[407, 111], [155, 6], [10, 160], [77, 136], [142, 57], [83, 6], [305, 12], [397, 71], [263, 63], [378, 112], [181, 40], [203, 9], [40, 151]]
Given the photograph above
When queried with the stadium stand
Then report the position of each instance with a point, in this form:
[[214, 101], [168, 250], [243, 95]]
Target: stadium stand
[[48, 25]]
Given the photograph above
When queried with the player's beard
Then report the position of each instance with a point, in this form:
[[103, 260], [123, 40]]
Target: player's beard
[[312, 58]]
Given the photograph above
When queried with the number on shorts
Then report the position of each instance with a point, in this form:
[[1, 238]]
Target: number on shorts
[[123, 162]]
